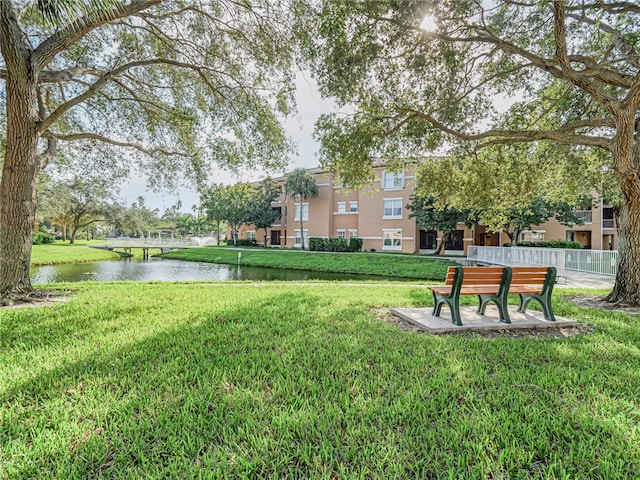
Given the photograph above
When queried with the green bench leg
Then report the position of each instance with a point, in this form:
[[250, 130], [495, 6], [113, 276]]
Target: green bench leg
[[544, 297], [501, 299], [525, 298], [452, 302], [503, 310]]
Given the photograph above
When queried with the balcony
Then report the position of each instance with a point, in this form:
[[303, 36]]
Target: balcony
[[585, 215], [608, 223]]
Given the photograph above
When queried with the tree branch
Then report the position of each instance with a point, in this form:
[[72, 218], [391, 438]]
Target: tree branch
[[47, 156], [112, 74], [611, 7], [100, 138], [508, 137], [559, 33], [72, 33]]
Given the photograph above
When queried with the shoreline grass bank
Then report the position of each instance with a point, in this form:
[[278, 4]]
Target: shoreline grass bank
[[405, 266], [60, 253], [131, 380]]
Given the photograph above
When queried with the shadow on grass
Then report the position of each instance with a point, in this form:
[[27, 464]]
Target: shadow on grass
[[285, 386]]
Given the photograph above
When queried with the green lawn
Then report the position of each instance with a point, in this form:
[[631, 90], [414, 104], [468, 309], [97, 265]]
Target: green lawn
[[132, 380], [60, 252], [407, 266]]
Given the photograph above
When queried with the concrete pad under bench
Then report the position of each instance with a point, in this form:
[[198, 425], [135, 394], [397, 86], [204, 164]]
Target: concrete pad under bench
[[472, 321]]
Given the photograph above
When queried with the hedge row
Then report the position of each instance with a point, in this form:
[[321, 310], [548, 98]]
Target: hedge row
[[241, 242], [318, 244], [550, 244]]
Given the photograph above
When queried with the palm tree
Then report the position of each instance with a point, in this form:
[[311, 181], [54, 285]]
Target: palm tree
[[184, 224], [300, 183], [200, 225]]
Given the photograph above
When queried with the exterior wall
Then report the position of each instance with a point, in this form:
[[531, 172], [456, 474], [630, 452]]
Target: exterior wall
[[331, 215], [372, 222]]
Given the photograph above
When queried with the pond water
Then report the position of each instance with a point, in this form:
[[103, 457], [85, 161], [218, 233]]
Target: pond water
[[157, 269]]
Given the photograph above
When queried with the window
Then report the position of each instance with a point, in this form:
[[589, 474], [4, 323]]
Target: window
[[342, 234], [342, 207], [298, 241], [305, 212], [392, 239], [532, 236], [353, 233], [608, 218], [392, 208], [279, 219], [353, 206], [251, 234], [456, 240], [391, 180]]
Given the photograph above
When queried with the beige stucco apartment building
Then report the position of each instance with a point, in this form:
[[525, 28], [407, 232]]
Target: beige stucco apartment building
[[378, 215]]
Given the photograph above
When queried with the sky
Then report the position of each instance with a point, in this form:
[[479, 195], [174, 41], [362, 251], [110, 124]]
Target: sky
[[299, 127]]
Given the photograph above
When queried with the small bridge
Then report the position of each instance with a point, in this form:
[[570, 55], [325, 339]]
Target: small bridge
[[146, 244]]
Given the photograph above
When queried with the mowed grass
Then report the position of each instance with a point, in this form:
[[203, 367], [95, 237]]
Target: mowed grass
[[130, 380], [404, 266], [60, 252]]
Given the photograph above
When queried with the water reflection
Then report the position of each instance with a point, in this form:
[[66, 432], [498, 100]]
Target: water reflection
[[157, 269]]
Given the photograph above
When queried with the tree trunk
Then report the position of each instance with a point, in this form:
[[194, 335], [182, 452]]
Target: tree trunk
[[18, 186], [626, 289], [74, 232], [626, 163], [443, 240], [301, 226]]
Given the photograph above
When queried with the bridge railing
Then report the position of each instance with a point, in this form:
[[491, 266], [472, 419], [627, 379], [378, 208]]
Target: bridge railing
[[147, 243], [603, 262]]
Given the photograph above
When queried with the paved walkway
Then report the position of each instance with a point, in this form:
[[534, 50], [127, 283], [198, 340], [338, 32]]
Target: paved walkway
[[471, 320], [584, 280]]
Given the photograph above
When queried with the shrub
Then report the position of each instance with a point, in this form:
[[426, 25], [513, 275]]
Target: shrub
[[355, 244], [550, 244], [244, 242], [318, 244], [41, 238]]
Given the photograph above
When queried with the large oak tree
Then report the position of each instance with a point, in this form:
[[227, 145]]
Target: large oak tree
[[570, 67], [171, 86]]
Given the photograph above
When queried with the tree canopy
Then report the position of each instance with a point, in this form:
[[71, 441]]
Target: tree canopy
[[229, 203], [171, 86], [261, 213], [570, 70], [433, 217], [77, 202]]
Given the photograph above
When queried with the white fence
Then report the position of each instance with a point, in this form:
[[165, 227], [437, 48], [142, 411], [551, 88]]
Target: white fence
[[603, 262]]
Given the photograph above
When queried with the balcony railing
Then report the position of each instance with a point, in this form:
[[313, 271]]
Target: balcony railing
[[585, 215], [608, 223]]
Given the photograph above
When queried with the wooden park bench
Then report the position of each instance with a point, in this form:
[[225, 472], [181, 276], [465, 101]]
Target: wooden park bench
[[493, 285], [490, 284]]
